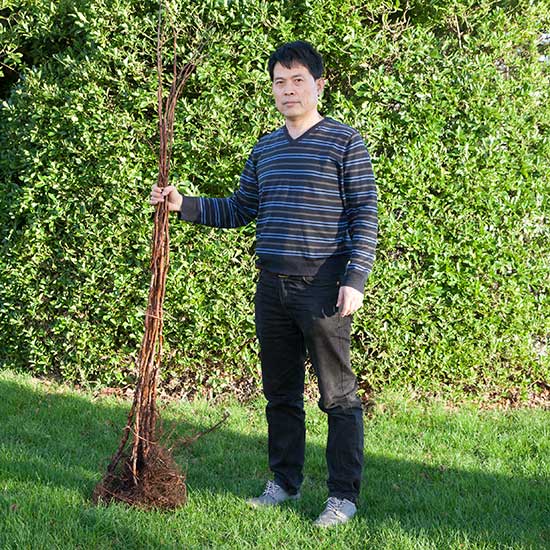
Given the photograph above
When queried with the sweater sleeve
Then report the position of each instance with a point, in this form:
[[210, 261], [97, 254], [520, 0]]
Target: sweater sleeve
[[234, 211], [360, 200]]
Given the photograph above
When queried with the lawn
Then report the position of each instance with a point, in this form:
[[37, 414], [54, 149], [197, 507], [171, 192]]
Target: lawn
[[435, 477]]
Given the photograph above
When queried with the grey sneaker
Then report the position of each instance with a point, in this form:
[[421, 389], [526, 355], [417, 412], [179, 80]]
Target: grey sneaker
[[273, 494], [337, 511]]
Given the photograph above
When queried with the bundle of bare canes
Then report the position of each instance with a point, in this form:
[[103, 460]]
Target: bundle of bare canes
[[142, 471]]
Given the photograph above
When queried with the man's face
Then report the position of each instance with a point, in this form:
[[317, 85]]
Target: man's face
[[296, 92]]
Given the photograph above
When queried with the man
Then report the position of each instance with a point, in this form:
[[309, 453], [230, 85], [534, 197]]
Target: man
[[311, 188]]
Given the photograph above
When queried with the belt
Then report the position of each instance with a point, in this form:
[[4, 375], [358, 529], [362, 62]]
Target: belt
[[282, 275]]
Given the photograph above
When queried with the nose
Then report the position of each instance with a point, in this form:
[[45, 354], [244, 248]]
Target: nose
[[289, 90]]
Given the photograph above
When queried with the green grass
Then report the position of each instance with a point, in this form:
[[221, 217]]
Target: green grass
[[435, 477]]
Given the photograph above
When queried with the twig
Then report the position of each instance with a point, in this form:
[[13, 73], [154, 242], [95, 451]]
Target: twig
[[186, 442], [458, 32]]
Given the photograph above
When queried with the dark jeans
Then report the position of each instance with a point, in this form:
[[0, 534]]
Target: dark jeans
[[296, 315]]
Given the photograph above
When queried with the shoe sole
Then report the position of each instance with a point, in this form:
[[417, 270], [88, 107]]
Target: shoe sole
[[260, 505], [328, 525]]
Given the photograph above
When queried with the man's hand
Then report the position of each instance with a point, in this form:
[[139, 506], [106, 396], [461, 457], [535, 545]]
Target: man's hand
[[349, 300], [175, 199]]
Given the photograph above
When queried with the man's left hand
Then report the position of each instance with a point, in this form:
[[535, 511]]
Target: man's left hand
[[349, 300]]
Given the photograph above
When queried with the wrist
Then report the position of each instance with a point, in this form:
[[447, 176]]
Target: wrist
[[178, 203]]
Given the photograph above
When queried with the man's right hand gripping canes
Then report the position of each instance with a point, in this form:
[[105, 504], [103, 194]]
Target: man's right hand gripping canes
[[169, 193]]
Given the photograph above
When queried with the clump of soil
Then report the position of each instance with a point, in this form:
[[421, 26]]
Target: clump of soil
[[159, 485]]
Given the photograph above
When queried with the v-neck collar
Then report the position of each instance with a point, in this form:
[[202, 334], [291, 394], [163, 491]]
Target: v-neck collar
[[292, 140]]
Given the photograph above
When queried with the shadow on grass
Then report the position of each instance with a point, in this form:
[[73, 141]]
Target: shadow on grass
[[53, 443]]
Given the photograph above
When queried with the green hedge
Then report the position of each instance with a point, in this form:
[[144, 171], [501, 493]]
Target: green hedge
[[452, 99]]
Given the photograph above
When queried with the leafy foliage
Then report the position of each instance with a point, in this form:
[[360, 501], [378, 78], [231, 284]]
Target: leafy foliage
[[451, 97]]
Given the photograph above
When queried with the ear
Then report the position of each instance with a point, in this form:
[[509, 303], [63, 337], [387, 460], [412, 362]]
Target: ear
[[320, 85]]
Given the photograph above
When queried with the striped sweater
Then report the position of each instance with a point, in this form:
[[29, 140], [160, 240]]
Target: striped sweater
[[314, 199]]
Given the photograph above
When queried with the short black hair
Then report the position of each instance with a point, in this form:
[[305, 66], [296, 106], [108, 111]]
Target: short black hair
[[297, 52]]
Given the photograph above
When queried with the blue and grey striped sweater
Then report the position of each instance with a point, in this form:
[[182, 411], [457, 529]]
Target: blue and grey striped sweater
[[314, 199]]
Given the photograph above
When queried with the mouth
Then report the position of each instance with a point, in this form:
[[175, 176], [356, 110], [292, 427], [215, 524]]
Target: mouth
[[290, 103]]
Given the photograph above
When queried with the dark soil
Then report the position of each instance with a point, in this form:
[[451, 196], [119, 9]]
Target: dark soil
[[160, 485]]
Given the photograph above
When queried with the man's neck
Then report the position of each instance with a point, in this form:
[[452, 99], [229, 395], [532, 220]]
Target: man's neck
[[298, 127]]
